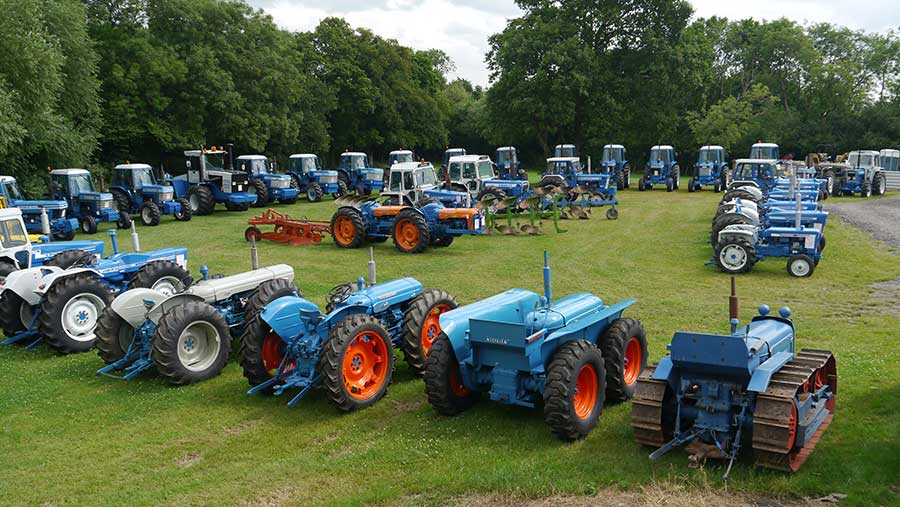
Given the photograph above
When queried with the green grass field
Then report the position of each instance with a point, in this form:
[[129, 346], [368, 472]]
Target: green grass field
[[69, 437]]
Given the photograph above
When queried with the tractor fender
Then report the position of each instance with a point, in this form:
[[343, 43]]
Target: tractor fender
[[763, 373], [288, 315], [24, 282], [743, 183], [745, 213], [747, 231], [12, 260], [166, 304], [664, 370], [131, 305], [587, 327], [49, 280]]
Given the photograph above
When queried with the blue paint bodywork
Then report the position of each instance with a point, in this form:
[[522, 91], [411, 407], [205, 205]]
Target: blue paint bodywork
[[361, 178], [60, 225]]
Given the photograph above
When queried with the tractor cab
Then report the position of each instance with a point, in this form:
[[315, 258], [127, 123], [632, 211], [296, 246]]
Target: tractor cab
[[468, 173], [662, 156], [415, 184], [761, 173], [563, 166], [137, 189], [565, 151], [508, 165], [76, 186], [311, 179], [710, 169], [16, 246], [268, 185], [142, 180], [662, 169], [356, 173], [613, 157], [452, 152], [399, 156], [765, 151], [256, 165], [711, 155], [11, 195]]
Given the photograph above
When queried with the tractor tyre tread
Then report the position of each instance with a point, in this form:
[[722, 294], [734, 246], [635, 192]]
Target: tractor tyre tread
[[186, 212], [359, 227], [413, 320], [53, 304], [206, 203], [613, 344], [10, 306], [153, 271], [153, 212], [560, 386], [256, 329], [437, 376], [422, 226], [70, 258], [262, 193], [331, 361], [166, 338], [106, 336]]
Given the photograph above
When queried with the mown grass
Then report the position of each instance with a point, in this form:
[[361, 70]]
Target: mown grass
[[68, 437]]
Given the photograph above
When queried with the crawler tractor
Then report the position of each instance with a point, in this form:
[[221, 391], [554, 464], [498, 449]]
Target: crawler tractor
[[721, 393], [186, 336], [521, 348], [348, 349]]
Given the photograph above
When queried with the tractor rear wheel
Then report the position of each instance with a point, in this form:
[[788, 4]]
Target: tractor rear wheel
[[624, 348], [737, 193], [691, 186], [6, 268], [575, 390], [164, 276], [113, 336], [443, 384], [88, 224], [620, 180], [734, 254], [123, 203], [313, 192], [627, 176], [70, 258], [676, 177], [150, 214], [878, 184], [124, 221], [348, 228], [411, 234], [69, 312], [15, 313], [343, 178], [421, 325], [800, 265], [201, 200], [262, 193], [357, 362], [191, 343], [186, 213], [724, 221], [261, 350]]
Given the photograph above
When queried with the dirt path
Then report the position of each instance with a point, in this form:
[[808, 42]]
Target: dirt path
[[878, 217]]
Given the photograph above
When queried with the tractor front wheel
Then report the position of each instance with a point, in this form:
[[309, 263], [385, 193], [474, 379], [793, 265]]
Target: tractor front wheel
[[124, 221], [348, 228], [575, 390], [342, 189], [15, 313], [313, 192], [357, 363], [64, 236], [262, 193], [624, 348], [421, 325], [113, 336], [201, 200], [191, 343], [800, 265], [443, 383], [88, 224], [261, 350], [70, 310], [670, 184], [411, 234], [185, 214], [149, 214], [691, 186]]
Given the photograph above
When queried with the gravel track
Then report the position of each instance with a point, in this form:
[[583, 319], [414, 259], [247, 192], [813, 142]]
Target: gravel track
[[878, 217]]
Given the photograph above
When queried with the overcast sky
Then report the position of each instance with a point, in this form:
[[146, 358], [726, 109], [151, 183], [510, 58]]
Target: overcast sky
[[461, 27]]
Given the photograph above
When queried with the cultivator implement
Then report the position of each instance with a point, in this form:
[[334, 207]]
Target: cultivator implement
[[294, 231]]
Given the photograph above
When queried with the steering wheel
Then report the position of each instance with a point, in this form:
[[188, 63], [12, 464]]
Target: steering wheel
[[338, 295]]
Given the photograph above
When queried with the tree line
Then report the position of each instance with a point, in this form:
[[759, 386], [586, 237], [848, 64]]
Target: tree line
[[96, 82]]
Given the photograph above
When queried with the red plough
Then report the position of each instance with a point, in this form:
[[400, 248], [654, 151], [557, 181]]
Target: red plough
[[287, 230]]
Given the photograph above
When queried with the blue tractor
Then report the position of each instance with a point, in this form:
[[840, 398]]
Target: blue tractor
[[719, 394], [355, 173], [60, 302], [614, 161], [76, 187], [508, 165], [765, 151], [268, 185], [448, 154], [661, 169], [308, 177], [413, 229], [522, 348], [18, 252], [61, 227], [711, 169], [565, 151], [348, 349], [400, 156], [582, 189], [136, 190], [208, 178], [864, 176], [764, 175]]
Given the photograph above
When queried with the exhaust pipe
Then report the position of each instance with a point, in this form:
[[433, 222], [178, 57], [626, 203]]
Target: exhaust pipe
[[135, 241], [371, 266], [548, 294], [733, 308], [254, 253], [45, 223], [114, 241]]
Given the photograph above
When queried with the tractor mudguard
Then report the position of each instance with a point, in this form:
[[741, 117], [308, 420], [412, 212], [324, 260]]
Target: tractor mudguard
[[587, 326], [24, 282], [664, 370], [288, 315], [509, 306], [131, 305], [156, 313], [748, 231], [759, 381], [49, 280], [741, 212]]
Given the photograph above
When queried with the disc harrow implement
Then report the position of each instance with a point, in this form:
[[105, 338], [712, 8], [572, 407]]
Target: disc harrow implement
[[289, 230]]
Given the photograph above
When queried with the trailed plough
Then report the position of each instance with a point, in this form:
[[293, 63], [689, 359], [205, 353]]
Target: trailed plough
[[294, 231]]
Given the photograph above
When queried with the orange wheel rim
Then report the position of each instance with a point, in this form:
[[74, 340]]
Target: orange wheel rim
[[407, 234], [365, 366], [456, 385], [633, 359], [344, 230], [432, 327], [792, 427], [585, 391], [273, 353]]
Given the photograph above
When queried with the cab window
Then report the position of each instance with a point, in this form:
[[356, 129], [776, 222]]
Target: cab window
[[454, 171], [485, 170], [395, 181], [408, 180], [12, 234], [469, 171]]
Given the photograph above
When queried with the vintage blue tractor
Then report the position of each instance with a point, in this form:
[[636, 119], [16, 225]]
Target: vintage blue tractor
[[186, 336], [76, 187], [764, 175], [349, 348], [354, 171], [864, 176], [580, 188], [519, 348], [60, 226], [508, 165], [662, 169], [18, 252], [740, 212], [208, 178], [722, 393], [268, 185], [59, 303], [413, 229], [711, 169], [615, 162], [416, 184], [308, 177], [565, 151], [136, 190], [765, 151]]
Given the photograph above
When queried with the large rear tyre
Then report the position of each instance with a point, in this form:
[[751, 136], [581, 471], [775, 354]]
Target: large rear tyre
[[737, 193], [575, 390], [149, 214], [163, 276], [411, 234], [342, 189], [262, 194], [734, 255], [191, 343], [443, 383], [261, 350], [123, 203], [113, 336], [348, 228], [201, 200], [70, 310], [70, 258], [724, 221], [357, 363], [624, 349], [15, 313], [878, 184], [421, 325]]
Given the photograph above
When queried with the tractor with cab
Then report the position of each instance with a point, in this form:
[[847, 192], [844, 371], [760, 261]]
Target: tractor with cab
[[711, 170], [60, 226], [136, 189], [662, 169], [76, 187], [19, 251], [208, 178], [308, 177], [864, 176], [268, 185], [614, 161], [508, 165], [357, 175]]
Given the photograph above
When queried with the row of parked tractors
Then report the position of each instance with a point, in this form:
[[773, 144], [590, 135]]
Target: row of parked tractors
[[571, 355]]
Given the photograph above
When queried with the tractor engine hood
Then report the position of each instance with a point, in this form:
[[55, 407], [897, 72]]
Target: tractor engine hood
[[95, 196], [157, 189], [50, 205], [567, 309], [510, 306], [382, 295], [289, 316]]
